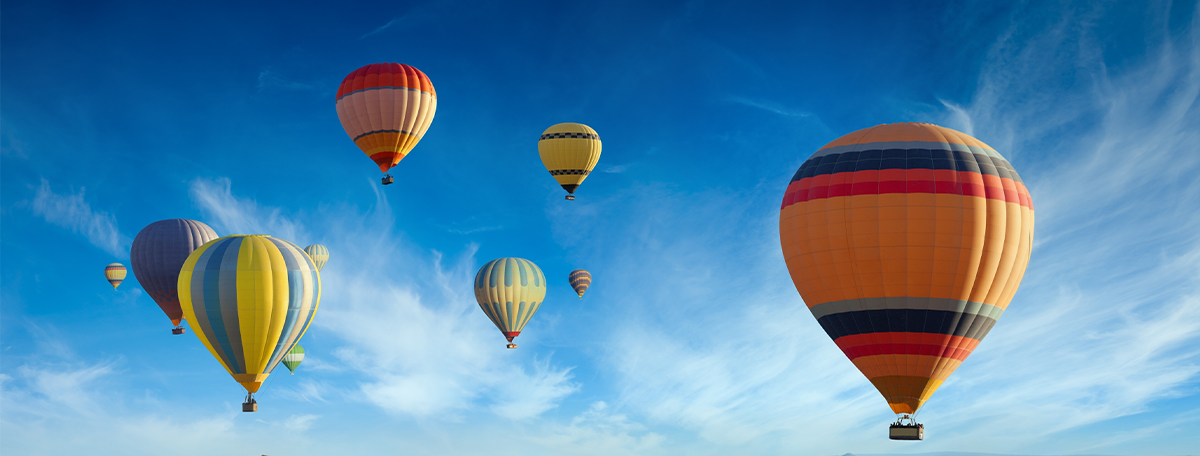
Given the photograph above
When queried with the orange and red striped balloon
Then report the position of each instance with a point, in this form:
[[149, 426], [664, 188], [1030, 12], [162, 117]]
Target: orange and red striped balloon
[[386, 109], [907, 242]]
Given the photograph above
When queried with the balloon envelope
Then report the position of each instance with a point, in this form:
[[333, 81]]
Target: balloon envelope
[[580, 280], [115, 273], [158, 252], [569, 151], [510, 291], [319, 255], [907, 242], [249, 299], [293, 358], [386, 109]]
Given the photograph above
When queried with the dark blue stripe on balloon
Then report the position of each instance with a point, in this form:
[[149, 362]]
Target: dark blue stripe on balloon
[[906, 159], [963, 324]]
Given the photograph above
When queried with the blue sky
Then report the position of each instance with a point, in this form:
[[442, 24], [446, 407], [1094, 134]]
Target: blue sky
[[692, 340]]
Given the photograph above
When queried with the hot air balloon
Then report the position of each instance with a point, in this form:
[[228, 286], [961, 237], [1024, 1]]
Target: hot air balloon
[[907, 242], [115, 273], [319, 255], [580, 280], [386, 109], [158, 252], [249, 299], [293, 358], [569, 151], [510, 290]]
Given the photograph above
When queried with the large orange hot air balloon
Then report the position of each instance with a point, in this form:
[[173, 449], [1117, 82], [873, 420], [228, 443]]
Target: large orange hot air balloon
[[907, 242], [386, 109]]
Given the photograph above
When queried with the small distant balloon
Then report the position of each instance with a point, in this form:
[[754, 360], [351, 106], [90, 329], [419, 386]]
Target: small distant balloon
[[319, 255], [569, 151], [115, 273], [580, 280], [293, 358], [510, 291]]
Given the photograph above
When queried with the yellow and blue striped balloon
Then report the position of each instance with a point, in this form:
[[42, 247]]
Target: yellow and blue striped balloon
[[510, 291], [249, 298], [319, 255]]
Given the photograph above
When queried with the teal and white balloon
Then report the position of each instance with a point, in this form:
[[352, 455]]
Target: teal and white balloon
[[319, 255], [510, 291]]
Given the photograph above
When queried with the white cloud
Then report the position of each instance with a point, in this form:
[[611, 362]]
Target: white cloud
[[524, 396], [598, 431], [230, 214], [300, 422], [60, 407], [72, 211]]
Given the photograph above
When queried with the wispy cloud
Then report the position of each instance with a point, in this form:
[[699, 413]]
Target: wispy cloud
[[383, 27], [475, 230], [600, 431], [769, 106], [10, 144], [417, 14], [72, 211], [612, 169], [412, 329], [58, 404], [535, 393], [270, 79], [300, 422], [230, 214]]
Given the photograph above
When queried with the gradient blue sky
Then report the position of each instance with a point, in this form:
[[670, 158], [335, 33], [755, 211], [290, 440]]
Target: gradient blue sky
[[692, 339]]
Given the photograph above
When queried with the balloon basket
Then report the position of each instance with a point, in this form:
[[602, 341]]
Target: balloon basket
[[177, 330], [910, 431], [250, 405], [387, 179], [511, 345], [571, 197]]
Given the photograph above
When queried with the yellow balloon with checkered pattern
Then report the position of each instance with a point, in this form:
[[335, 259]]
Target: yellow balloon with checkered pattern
[[569, 151]]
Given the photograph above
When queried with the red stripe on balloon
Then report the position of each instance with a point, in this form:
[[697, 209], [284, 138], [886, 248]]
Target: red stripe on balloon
[[875, 182], [906, 343]]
